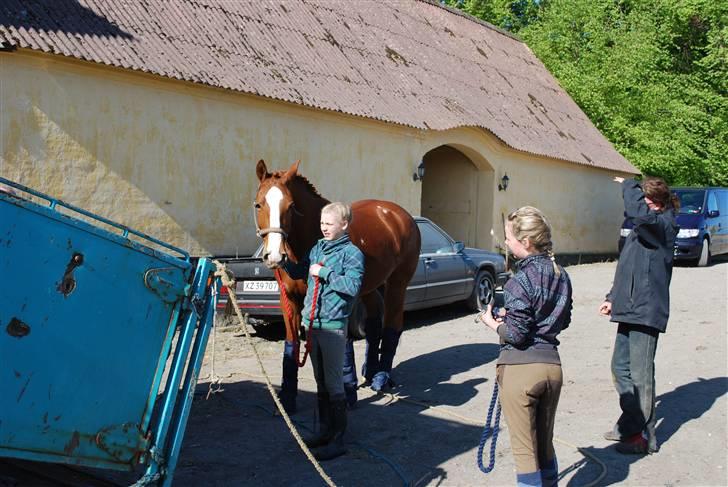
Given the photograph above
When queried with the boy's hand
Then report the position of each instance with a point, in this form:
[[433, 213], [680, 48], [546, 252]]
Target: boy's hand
[[618, 179], [315, 269], [606, 308]]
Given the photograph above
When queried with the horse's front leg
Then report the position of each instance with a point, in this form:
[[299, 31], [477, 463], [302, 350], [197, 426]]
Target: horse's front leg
[[289, 382], [391, 331]]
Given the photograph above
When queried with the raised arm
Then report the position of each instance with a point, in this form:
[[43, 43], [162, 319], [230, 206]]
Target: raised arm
[[647, 224]]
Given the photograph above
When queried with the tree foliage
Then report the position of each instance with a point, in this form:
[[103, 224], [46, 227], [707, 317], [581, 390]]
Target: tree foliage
[[652, 75]]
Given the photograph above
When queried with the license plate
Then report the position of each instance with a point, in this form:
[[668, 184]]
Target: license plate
[[260, 286]]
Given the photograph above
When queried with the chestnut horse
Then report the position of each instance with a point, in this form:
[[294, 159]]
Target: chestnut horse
[[288, 211]]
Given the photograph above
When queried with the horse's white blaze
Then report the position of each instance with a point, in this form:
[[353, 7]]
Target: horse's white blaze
[[273, 197]]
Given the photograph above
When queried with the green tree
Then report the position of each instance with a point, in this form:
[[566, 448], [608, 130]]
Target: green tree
[[652, 75]]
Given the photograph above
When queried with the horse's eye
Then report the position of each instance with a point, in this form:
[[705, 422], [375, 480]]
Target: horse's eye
[[256, 205]]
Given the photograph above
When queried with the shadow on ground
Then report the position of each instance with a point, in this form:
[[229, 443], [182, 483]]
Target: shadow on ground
[[674, 410], [234, 439]]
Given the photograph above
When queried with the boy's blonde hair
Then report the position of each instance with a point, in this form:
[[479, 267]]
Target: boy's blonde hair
[[342, 210], [529, 222]]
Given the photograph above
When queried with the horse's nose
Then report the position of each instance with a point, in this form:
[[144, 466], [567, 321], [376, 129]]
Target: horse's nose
[[272, 263]]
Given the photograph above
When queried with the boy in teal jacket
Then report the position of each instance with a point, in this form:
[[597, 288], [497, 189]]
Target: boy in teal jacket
[[339, 266]]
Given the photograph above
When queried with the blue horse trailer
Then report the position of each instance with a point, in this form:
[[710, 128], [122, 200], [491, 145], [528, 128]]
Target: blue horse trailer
[[94, 317]]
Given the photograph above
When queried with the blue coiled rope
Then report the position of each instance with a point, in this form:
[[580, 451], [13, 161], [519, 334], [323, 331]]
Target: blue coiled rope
[[489, 431]]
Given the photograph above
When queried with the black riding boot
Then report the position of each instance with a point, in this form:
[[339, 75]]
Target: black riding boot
[[289, 384], [350, 380], [325, 432], [336, 446], [373, 327]]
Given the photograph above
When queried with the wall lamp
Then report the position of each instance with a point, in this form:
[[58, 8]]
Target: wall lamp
[[419, 172], [504, 183]]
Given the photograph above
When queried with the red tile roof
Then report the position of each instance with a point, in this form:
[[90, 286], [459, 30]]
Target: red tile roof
[[408, 62]]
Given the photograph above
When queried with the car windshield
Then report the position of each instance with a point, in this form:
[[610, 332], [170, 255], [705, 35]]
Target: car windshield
[[691, 201]]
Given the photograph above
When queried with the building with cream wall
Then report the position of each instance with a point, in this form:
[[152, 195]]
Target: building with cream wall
[[176, 158]]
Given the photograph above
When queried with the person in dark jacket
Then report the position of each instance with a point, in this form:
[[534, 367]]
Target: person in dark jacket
[[639, 302], [339, 266], [538, 305]]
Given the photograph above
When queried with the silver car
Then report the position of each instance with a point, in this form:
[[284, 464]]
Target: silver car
[[447, 272]]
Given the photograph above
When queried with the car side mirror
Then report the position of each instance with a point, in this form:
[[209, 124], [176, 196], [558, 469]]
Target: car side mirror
[[458, 247], [713, 213]]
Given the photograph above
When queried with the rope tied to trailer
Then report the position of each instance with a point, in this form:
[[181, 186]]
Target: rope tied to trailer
[[153, 478], [215, 380], [228, 281]]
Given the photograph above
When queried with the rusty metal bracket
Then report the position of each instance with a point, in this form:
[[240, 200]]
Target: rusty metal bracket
[[162, 282], [115, 441]]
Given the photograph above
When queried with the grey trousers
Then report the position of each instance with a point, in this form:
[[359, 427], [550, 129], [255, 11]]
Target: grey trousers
[[327, 358], [633, 372]]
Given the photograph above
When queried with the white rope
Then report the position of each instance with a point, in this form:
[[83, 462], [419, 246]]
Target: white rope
[[215, 380]]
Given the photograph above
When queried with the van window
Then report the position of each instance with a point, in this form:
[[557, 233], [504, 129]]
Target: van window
[[723, 202], [712, 202], [691, 201]]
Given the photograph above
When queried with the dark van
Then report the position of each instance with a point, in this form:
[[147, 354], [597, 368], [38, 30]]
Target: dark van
[[703, 221]]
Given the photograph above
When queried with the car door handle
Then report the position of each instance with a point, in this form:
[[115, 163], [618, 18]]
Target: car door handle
[[429, 260]]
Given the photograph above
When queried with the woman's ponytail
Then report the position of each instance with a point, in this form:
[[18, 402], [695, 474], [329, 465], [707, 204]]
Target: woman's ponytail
[[530, 222]]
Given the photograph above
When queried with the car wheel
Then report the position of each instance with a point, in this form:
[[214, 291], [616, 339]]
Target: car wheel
[[482, 292], [704, 258]]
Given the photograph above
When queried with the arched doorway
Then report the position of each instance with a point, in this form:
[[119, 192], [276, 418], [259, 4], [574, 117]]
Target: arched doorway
[[450, 193]]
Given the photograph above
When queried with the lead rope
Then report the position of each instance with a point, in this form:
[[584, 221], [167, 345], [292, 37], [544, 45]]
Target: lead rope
[[287, 305], [229, 282], [489, 431]]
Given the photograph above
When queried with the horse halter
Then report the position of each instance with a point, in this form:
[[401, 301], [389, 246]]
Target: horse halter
[[262, 232]]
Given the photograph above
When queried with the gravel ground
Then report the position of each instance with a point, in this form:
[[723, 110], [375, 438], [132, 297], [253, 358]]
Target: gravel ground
[[445, 367], [429, 433]]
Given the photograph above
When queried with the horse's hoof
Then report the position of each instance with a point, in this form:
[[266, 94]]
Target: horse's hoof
[[380, 381]]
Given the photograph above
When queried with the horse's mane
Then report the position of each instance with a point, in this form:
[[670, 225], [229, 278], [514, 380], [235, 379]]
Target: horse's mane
[[304, 181]]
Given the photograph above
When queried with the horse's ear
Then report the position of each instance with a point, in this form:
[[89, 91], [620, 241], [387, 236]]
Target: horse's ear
[[261, 171], [293, 170]]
